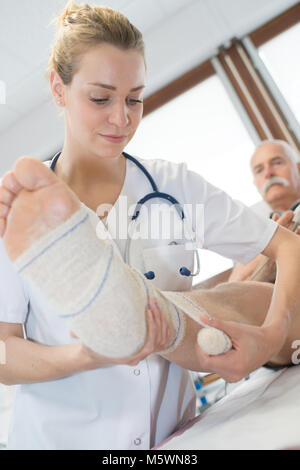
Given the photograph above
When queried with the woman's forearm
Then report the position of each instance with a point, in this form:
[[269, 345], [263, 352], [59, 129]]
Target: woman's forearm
[[244, 273], [29, 362], [285, 249]]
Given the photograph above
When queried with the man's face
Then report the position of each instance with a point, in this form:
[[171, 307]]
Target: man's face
[[276, 176]]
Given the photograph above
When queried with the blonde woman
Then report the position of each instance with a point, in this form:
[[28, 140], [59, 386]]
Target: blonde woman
[[67, 396]]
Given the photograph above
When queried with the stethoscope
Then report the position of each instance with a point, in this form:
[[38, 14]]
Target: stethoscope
[[184, 271], [292, 208], [296, 222]]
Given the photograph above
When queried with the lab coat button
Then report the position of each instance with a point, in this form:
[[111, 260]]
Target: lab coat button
[[137, 441], [136, 371]]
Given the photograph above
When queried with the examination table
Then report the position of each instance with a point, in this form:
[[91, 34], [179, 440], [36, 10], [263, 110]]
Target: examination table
[[262, 413]]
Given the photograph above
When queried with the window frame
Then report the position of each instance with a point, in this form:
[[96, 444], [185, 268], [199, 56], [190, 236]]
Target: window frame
[[276, 26], [256, 98], [178, 86]]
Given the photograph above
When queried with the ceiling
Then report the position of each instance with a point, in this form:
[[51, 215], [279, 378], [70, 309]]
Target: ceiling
[[179, 34]]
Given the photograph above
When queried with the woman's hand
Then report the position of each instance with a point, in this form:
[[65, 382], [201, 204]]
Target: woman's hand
[[267, 272], [252, 348], [261, 268], [285, 220], [158, 339]]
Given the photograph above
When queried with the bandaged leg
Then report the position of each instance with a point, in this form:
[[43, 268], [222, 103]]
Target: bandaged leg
[[103, 300]]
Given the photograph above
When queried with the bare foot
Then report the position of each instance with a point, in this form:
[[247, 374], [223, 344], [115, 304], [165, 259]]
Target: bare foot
[[33, 201]]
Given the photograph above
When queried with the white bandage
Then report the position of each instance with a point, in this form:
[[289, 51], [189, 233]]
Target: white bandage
[[85, 281], [211, 340]]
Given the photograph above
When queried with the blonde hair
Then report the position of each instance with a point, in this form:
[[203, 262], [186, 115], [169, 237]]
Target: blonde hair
[[80, 27]]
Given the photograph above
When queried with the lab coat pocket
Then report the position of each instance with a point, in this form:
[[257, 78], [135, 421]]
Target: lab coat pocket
[[165, 262]]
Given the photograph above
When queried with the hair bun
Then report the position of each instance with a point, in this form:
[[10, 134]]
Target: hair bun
[[80, 27], [67, 14]]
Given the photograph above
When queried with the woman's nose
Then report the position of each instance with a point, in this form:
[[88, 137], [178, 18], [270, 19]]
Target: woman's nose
[[119, 115]]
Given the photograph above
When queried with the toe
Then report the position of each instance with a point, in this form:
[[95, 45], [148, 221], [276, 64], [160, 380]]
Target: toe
[[6, 196], [4, 210], [33, 174], [10, 183], [2, 226]]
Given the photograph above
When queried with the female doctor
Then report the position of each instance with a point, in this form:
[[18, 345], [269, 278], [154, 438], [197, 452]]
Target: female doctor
[[83, 401]]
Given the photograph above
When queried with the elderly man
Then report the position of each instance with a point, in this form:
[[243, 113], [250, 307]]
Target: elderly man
[[275, 166]]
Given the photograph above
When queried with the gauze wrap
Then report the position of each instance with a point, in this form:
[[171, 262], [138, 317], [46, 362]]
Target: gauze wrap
[[84, 280]]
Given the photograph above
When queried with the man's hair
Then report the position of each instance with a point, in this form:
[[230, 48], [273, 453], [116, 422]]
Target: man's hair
[[291, 152]]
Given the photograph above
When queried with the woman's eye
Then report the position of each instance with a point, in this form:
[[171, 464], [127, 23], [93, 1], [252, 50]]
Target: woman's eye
[[130, 101], [134, 101], [99, 100]]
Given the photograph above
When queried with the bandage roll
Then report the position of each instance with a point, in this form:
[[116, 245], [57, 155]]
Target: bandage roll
[[211, 340]]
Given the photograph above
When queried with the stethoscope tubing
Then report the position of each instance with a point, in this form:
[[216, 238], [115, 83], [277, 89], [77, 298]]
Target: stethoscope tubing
[[154, 194]]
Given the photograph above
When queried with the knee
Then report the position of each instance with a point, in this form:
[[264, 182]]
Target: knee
[[233, 286], [244, 286]]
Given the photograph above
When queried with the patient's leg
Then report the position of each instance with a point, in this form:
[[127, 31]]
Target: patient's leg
[[55, 247], [245, 302], [83, 279]]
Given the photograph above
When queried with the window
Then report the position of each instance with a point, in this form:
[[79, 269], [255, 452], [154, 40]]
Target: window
[[280, 56], [207, 126], [202, 128]]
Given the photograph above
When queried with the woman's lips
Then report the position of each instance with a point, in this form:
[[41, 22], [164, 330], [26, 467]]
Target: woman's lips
[[116, 139]]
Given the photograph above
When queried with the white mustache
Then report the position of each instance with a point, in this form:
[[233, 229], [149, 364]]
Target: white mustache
[[271, 182]]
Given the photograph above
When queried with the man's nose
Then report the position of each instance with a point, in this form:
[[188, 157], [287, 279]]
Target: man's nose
[[268, 172]]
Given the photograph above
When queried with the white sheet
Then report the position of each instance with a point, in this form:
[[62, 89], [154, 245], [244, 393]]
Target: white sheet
[[261, 413]]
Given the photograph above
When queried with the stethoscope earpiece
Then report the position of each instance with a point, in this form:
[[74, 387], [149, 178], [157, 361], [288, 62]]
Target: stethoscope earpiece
[[184, 271], [149, 275]]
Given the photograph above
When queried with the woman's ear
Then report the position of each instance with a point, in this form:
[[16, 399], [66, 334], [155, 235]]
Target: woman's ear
[[57, 87]]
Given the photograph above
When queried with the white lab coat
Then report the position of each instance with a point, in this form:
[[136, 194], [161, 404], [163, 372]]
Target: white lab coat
[[261, 208], [123, 407]]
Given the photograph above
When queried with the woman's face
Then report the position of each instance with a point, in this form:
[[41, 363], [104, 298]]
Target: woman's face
[[103, 103]]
